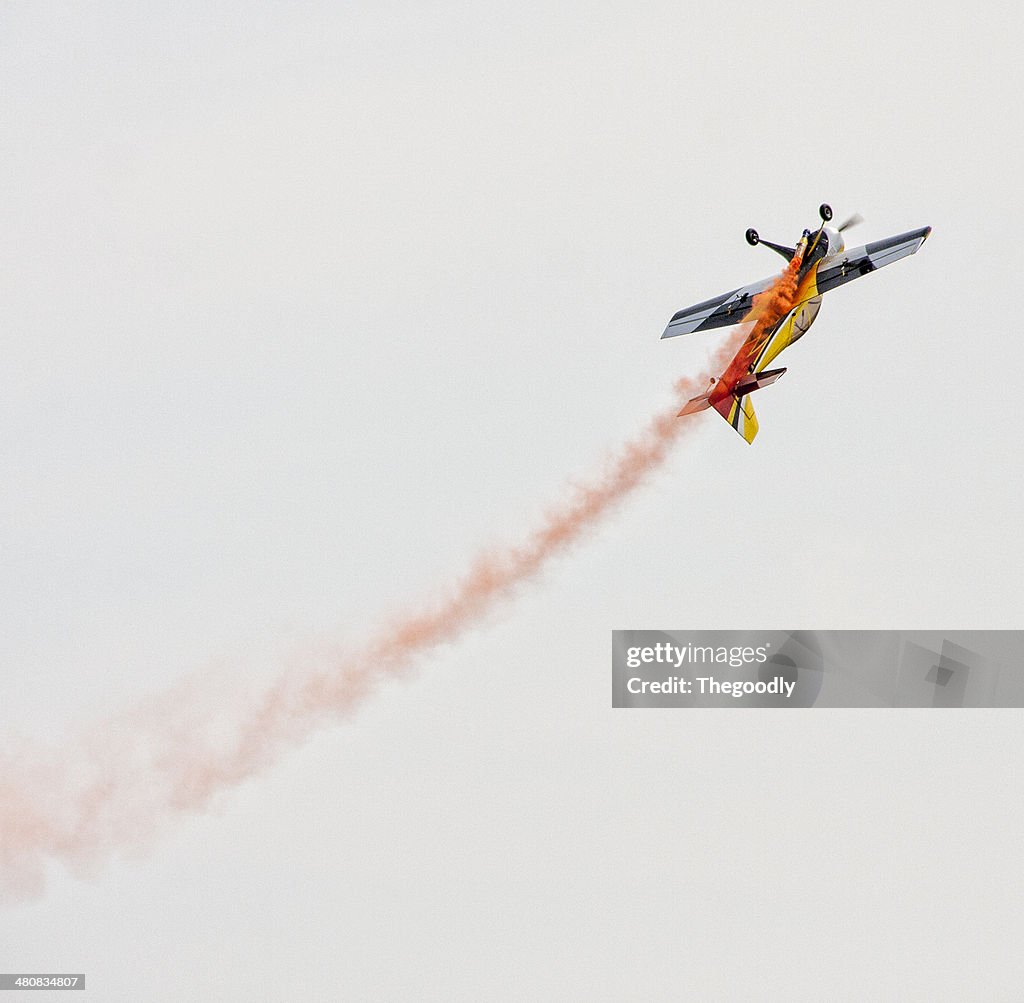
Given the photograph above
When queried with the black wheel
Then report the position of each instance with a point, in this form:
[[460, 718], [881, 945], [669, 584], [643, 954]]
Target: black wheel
[[752, 238], [825, 211]]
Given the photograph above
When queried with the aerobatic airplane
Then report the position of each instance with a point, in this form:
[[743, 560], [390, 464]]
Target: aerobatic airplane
[[822, 264]]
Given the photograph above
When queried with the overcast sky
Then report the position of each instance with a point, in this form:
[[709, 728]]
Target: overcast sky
[[304, 306]]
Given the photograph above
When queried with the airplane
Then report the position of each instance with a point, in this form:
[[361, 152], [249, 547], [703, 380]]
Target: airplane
[[818, 263]]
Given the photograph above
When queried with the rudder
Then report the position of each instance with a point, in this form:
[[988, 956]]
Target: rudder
[[739, 412]]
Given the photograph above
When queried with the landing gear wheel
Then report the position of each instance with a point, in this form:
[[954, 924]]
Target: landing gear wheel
[[752, 238], [825, 211]]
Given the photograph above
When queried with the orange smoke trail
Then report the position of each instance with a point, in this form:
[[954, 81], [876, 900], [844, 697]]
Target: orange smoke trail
[[777, 300], [768, 308], [113, 787]]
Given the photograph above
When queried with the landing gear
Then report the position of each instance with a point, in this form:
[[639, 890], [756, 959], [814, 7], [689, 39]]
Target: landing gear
[[825, 211], [752, 237]]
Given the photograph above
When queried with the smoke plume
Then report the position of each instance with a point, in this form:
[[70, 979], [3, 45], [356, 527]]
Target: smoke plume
[[112, 787]]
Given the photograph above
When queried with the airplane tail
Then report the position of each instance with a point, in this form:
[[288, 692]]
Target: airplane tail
[[739, 412], [735, 407]]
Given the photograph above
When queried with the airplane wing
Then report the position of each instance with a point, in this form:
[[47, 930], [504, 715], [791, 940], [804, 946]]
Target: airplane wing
[[851, 264], [721, 311]]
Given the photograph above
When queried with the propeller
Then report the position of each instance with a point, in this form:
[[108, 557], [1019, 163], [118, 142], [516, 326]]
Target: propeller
[[854, 220]]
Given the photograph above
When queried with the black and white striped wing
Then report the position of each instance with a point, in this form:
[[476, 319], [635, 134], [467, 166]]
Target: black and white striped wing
[[721, 311], [849, 265]]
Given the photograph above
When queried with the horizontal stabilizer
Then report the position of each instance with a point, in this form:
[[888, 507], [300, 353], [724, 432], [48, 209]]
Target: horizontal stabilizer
[[755, 381], [701, 403], [697, 404]]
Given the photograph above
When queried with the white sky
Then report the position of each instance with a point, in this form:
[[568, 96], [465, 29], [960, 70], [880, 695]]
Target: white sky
[[304, 306]]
